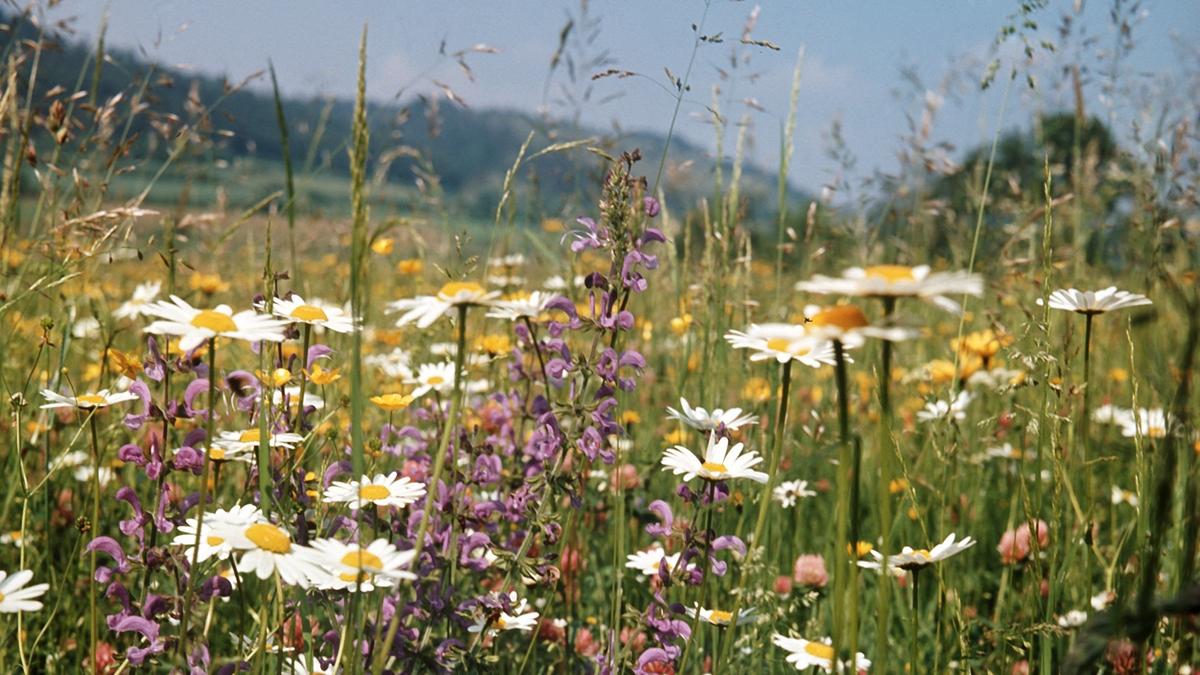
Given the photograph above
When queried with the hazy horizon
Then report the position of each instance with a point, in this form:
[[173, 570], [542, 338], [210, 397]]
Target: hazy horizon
[[857, 69]]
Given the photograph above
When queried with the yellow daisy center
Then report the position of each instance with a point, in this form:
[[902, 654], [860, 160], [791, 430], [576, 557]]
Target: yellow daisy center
[[436, 380], [214, 540], [215, 321], [846, 317], [217, 454], [90, 399], [890, 273], [374, 492], [358, 560], [269, 538], [250, 436], [1, 597], [720, 616], [455, 287], [924, 553], [819, 650], [309, 313], [501, 623], [779, 344], [714, 467]]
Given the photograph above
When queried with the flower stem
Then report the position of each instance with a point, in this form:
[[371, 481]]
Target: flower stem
[[93, 622], [208, 439], [439, 466], [886, 473], [912, 648], [764, 501], [842, 543]]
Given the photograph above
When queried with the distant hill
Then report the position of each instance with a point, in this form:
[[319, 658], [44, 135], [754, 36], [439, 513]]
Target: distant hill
[[459, 153]]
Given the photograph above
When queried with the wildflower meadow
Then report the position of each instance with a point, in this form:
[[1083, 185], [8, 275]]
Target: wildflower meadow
[[938, 423]]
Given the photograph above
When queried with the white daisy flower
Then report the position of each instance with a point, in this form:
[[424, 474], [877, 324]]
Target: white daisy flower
[[898, 281], [509, 261], [518, 619], [1072, 619], [848, 325], [1094, 302], [347, 566], [314, 313], [15, 596], [70, 460], [720, 462], [783, 342], [805, 654], [212, 543], [437, 377], [15, 538], [85, 328], [136, 305], [1150, 423], [395, 364], [1102, 600], [84, 474], [389, 490], [789, 492], [937, 410], [100, 399], [909, 558], [530, 306], [1006, 451], [699, 418], [1111, 414], [426, 309], [267, 549], [1120, 496], [718, 617], [195, 326], [239, 442], [647, 561]]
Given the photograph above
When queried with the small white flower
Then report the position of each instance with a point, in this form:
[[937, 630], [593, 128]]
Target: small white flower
[[347, 566], [1149, 423], [394, 364], [913, 559], [1006, 451], [437, 377], [719, 617], [815, 654], [898, 281], [530, 306], [1102, 600], [1094, 302], [212, 543], [389, 490], [647, 561], [232, 443], [426, 309], [15, 596], [100, 399], [314, 313], [311, 400], [783, 342], [195, 326], [142, 296], [703, 420], [1120, 496], [720, 462], [789, 492], [1073, 619], [268, 549], [937, 410], [518, 619]]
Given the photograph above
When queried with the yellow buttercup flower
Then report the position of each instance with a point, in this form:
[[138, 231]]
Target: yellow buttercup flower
[[320, 376], [383, 245], [126, 364], [494, 345], [209, 284], [274, 378], [392, 402], [410, 267]]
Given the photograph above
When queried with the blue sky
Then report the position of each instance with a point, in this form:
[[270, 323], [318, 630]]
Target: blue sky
[[854, 54]]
